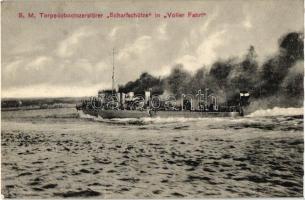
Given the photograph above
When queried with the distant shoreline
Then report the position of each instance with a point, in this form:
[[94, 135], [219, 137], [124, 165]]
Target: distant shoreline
[[37, 107]]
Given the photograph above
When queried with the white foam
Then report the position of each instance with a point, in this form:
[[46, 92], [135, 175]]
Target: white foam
[[276, 111], [185, 119], [85, 116], [168, 119], [145, 120], [156, 120]]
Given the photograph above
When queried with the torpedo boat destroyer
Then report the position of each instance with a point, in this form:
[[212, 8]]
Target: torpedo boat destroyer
[[110, 104], [120, 105]]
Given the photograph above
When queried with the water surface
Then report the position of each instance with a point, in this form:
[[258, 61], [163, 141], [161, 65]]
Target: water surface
[[60, 153]]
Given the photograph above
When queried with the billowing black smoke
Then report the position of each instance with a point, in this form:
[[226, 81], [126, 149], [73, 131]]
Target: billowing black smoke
[[146, 82], [277, 82], [275, 69]]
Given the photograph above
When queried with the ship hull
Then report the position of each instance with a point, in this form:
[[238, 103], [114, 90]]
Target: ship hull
[[91, 112], [194, 114], [109, 114]]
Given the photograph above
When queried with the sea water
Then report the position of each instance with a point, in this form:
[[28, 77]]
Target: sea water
[[56, 153]]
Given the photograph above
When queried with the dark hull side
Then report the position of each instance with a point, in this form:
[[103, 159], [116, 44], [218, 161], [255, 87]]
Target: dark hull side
[[195, 114], [91, 112], [109, 114]]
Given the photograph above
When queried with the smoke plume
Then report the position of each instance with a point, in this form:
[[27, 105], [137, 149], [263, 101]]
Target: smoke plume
[[277, 82]]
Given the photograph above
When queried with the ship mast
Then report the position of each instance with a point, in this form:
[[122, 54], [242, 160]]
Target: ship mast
[[112, 90]]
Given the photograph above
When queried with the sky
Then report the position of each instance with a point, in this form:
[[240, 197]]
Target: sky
[[73, 57]]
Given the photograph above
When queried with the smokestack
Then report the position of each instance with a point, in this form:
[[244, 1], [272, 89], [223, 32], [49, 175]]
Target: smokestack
[[147, 97]]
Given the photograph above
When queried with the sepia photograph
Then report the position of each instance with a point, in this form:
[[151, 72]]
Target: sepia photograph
[[156, 99]]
